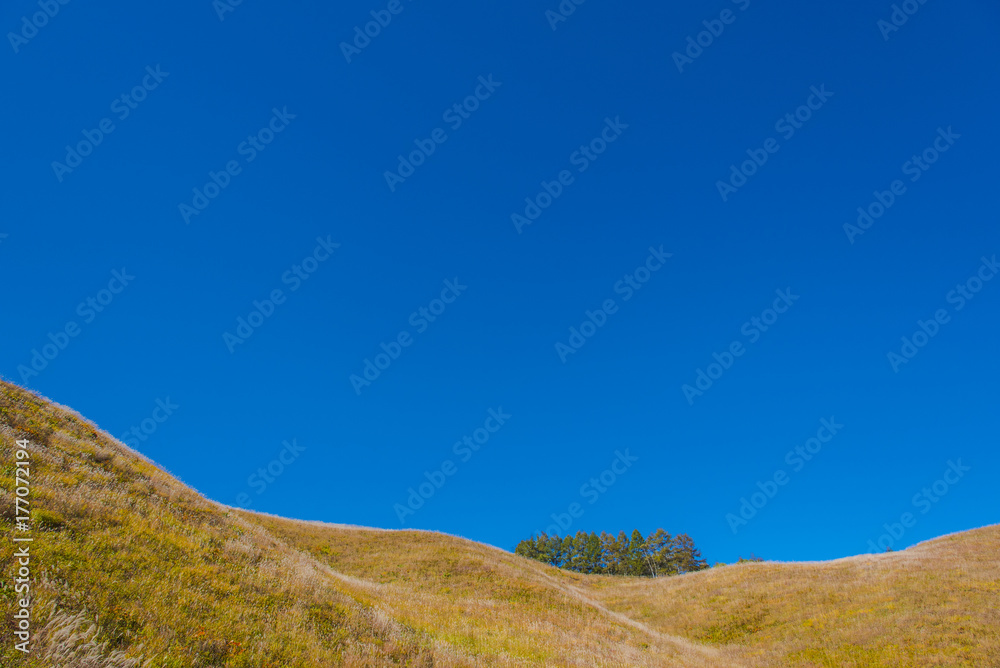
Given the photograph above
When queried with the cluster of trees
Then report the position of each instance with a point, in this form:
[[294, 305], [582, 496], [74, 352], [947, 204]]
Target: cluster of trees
[[655, 555]]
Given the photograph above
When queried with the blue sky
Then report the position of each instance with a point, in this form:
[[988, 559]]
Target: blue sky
[[253, 158]]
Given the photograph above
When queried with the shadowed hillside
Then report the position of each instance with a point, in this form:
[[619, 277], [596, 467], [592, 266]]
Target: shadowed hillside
[[131, 568]]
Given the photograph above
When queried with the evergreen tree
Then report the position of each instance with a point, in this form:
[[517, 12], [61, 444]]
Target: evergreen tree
[[617, 553], [545, 554], [568, 554], [578, 557], [528, 548], [656, 555], [687, 556], [607, 553], [554, 551], [593, 559], [659, 548], [637, 555]]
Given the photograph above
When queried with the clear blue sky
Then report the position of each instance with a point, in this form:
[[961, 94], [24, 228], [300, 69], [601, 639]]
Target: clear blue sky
[[660, 133]]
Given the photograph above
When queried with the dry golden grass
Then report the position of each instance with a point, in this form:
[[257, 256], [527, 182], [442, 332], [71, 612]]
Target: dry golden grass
[[935, 604], [135, 569], [165, 575], [488, 602]]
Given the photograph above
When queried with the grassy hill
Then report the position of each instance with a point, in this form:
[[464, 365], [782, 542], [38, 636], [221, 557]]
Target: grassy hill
[[131, 568]]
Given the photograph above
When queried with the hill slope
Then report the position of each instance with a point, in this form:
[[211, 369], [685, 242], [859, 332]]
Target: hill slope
[[132, 568]]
